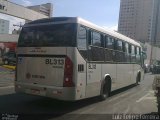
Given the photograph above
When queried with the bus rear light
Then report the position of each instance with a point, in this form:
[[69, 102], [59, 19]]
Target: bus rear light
[[56, 92], [68, 73]]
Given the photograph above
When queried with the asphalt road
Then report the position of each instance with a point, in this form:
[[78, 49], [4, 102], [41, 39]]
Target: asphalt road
[[131, 100], [6, 81]]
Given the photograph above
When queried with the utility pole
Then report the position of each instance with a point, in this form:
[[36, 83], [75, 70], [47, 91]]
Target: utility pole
[[17, 31], [20, 25]]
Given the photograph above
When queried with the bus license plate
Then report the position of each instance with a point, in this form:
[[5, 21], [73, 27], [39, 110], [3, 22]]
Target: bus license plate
[[36, 92]]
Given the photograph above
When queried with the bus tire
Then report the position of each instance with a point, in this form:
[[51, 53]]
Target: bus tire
[[105, 90], [158, 104], [158, 109], [138, 78]]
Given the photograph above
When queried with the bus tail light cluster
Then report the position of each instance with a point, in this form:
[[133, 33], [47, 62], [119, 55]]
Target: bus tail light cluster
[[68, 73]]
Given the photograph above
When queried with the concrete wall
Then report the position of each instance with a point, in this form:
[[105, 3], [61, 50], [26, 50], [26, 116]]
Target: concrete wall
[[148, 53], [8, 38], [155, 54], [46, 9], [20, 11]]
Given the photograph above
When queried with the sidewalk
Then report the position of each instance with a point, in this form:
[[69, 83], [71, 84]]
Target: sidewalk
[[7, 77], [7, 66]]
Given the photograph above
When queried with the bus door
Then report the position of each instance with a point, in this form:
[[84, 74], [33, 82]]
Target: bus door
[[93, 79]]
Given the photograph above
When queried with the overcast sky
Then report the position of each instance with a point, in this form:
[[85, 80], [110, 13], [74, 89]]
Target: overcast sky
[[104, 13]]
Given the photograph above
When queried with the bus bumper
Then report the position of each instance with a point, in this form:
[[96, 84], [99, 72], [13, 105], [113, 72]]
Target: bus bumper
[[60, 93]]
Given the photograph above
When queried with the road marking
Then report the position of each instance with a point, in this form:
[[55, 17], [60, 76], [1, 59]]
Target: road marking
[[127, 110], [150, 98], [151, 91], [87, 111], [146, 97], [116, 97], [7, 87], [142, 98]]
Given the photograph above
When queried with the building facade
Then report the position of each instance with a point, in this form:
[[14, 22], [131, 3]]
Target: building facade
[[8, 41], [20, 11], [4, 26], [46, 9], [155, 28], [136, 19]]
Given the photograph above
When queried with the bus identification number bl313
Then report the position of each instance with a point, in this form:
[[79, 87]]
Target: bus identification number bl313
[[54, 61], [92, 66]]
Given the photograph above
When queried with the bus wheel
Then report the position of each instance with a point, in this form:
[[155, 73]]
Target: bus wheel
[[105, 90], [158, 99], [158, 109], [138, 78]]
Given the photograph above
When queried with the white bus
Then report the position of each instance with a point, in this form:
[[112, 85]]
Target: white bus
[[68, 58]]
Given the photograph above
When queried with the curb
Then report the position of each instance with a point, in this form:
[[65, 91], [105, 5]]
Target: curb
[[9, 67]]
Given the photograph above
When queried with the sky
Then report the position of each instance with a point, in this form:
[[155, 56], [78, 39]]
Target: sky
[[104, 13]]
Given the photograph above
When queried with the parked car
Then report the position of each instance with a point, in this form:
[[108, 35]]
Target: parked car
[[9, 58], [155, 68], [146, 68]]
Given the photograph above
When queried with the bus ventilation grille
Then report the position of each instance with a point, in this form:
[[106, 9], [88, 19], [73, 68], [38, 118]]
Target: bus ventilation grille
[[80, 67]]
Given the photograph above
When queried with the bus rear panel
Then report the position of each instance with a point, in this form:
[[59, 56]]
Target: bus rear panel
[[46, 61]]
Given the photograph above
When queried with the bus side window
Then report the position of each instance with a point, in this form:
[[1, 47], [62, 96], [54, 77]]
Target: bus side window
[[128, 52], [133, 55], [89, 33], [119, 46], [95, 51], [96, 39], [119, 51], [82, 41], [141, 57], [109, 43], [102, 40], [138, 59], [123, 46]]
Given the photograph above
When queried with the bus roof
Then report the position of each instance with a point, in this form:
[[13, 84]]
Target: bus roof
[[60, 20]]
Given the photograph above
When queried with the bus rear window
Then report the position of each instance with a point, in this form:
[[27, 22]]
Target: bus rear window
[[58, 35]]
